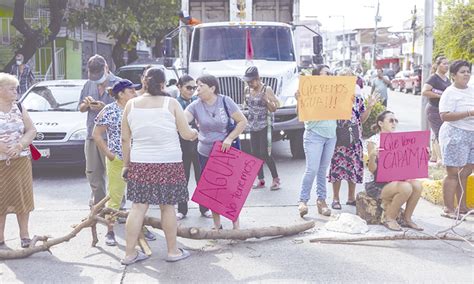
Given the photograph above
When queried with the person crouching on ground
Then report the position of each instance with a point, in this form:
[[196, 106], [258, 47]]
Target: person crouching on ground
[[153, 164], [396, 193]]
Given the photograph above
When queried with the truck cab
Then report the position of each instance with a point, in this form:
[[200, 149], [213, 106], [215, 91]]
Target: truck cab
[[219, 49], [232, 35]]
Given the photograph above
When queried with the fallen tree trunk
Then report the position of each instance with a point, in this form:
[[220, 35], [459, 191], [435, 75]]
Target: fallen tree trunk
[[384, 238], [97, 214], [88, 222], [202, 233]]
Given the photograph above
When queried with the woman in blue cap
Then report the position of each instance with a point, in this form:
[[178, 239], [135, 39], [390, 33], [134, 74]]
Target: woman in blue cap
[[109, 121]]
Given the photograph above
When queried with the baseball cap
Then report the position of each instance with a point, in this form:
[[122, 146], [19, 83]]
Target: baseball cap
[[124, 84], [96, 67], [250, 74]]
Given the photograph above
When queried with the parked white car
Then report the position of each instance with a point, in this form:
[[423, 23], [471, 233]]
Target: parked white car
[[61, 127]]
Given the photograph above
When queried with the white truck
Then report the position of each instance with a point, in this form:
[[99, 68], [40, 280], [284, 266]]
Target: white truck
[[217, 46]]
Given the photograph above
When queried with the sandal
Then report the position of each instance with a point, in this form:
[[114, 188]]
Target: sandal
[[323, 208], [139, 257], [336, 205], [303, 208], [411, 225], [392, 225], [25, 242], [184, 254], [451, 215], [352, 203]]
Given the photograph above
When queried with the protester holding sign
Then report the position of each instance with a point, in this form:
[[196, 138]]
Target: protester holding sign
[[456, 137], [319, 142], [347, 162], [213, 112], [396, 193], [153, 164], [261, 103]]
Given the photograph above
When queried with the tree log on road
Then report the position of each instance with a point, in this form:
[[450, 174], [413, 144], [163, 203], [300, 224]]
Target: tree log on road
[[88, 222], [97, 217]]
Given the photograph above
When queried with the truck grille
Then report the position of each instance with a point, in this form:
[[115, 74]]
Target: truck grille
[[234, 87], [47, 136]]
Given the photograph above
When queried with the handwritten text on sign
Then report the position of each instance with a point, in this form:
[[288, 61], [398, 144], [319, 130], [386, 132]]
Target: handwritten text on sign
[[325, 97], [403, 155], [226, 181]]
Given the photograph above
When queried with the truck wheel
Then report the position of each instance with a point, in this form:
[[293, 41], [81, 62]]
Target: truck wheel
[[296, 144]]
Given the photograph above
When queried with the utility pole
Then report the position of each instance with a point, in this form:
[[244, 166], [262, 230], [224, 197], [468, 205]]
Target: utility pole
[[427, 54], [377, 19], [343, 39], [413, 27]]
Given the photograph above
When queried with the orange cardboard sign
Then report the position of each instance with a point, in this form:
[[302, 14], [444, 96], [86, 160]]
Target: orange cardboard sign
[[325, 97]]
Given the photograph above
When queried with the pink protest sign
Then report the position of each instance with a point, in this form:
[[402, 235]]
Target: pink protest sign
[[226, 181], [403, 155]]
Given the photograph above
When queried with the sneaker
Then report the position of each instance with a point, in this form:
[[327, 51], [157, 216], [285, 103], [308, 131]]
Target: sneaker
[[179, 216], [260, 184], [275, 184], [149, 236], [110, 239]]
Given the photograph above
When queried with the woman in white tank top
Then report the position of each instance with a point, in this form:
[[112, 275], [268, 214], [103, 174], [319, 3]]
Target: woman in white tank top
[[153, 163]]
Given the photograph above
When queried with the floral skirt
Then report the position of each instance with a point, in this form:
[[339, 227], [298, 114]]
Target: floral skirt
[[347, 164], [157, 183]]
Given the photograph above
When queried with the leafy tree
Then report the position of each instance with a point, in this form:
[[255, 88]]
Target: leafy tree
[[129, 21], [454, 30], [34, 37]]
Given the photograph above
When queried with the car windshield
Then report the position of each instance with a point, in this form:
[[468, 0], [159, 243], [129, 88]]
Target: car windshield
[[53, 98], [135, 74], [229, 43]]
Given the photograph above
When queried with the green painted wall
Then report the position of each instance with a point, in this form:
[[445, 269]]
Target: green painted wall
[[73, 59]]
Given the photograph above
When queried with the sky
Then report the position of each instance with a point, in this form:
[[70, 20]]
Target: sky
[[358, 13]]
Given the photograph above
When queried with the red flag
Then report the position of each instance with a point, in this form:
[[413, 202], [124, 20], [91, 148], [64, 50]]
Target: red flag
[[248, 46]]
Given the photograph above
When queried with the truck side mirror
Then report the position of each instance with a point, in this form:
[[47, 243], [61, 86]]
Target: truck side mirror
[[168, 52], [317, 44]]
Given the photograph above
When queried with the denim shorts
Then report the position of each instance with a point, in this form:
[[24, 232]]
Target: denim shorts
[[457, 146]]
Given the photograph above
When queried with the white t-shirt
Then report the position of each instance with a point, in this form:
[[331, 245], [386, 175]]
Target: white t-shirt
[[368, 175], [458, 100]]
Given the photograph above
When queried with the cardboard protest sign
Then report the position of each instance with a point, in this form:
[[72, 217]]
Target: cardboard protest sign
[[325, 97], [226, 181], [403, 155]]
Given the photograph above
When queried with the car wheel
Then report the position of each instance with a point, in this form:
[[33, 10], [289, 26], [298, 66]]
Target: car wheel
[[296, 144]]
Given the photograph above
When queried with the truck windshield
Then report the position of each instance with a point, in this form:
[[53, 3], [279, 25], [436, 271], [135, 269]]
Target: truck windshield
[[229, 43]]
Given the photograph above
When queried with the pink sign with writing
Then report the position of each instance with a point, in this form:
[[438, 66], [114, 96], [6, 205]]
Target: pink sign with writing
[[226, 181], [403, 156]]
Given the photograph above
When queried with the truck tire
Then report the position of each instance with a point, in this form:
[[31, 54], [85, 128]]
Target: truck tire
[[296, 144]]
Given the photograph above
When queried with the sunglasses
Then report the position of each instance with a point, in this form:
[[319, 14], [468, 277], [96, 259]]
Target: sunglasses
[[191, 88], [393, 120]]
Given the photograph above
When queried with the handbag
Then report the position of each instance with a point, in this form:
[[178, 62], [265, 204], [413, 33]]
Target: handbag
[[35, 154], [231, 126], [347, 134]]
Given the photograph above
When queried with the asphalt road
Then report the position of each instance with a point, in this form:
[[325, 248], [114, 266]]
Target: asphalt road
[[61, 198]]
